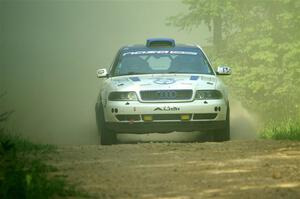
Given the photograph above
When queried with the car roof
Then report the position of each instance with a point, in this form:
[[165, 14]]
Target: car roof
[[177, 47]]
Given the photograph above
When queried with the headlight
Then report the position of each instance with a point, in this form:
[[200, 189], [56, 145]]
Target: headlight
[[122, 96], [208, 94]]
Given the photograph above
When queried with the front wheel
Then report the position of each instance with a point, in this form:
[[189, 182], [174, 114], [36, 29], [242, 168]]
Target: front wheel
[[107, 137], [224, 134]]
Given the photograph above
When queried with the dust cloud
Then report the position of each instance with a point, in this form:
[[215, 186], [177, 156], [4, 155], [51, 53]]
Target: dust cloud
[[244, 125], [50, 50]]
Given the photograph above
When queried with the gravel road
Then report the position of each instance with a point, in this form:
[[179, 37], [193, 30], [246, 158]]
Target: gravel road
[[235, 169]]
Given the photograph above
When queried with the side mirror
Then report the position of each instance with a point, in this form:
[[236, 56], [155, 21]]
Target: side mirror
[[101, 73], [223, 70]]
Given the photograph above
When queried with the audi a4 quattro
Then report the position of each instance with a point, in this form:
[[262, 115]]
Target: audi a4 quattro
[[161, 87]]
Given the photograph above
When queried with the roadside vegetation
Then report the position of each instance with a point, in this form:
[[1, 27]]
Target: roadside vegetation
[[23, 171], [285, 130], [259, 40]]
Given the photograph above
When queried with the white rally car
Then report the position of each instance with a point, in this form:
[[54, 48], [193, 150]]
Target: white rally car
[[162, 87]]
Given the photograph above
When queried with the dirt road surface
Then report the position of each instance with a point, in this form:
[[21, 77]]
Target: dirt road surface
[[235, 169]]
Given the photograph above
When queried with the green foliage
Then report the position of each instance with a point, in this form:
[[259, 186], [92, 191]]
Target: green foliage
[[286, 130], [23, 173], [260, 41], [26, 146]]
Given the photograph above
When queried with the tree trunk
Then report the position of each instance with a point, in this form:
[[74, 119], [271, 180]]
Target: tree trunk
[[217, 33]]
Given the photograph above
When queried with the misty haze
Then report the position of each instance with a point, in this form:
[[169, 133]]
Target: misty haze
[[51, 50], [50, 55]]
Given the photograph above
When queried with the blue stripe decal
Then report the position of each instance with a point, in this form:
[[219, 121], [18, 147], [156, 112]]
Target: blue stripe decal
[[194, 78], [135, 79]]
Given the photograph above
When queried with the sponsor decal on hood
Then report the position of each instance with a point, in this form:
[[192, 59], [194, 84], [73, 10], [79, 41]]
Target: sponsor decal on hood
[[165, 81], [194, 78]]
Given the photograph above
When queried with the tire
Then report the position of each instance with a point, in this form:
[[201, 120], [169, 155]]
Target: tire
[[224, 134], [106, 136]]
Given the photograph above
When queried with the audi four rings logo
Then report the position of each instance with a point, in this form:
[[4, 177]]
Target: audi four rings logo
[[166, 94], [164, 81]]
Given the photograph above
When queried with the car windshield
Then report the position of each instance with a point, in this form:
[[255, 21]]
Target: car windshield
[[155, 62]]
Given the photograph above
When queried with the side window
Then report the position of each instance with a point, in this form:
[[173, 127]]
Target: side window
[[117, 69], [205, 66], [204, 62]]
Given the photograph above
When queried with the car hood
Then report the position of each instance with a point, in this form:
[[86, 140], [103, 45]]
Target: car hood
[[163, 82]]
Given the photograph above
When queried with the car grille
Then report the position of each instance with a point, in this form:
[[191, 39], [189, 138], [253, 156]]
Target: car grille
[[166, 95]]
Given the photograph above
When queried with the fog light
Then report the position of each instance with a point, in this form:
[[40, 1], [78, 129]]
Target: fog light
[[185, 117], [147, 118]]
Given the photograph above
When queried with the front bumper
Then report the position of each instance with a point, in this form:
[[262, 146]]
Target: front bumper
[[165, 127], [133, 116]]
